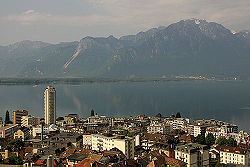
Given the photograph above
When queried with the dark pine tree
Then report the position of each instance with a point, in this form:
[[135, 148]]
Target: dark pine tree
[[178, 115], [7, 117], [92, 113]]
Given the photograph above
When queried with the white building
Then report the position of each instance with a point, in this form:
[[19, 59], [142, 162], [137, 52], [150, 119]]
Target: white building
[[107, 142], [179, 123], [36, 131], [159, 128], [30, 121], [50, 105], [233, 155], [87, 140], [197, 129], [101, 119], [224, 130], [193, 154]]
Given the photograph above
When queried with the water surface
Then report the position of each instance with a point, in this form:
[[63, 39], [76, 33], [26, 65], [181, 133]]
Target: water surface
[[226, 100]]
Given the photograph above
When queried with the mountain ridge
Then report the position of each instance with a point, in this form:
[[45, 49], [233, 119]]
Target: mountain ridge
[[188, 47]]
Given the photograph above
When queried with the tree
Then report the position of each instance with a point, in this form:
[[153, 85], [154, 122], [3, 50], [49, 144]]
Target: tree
[[7, 117], [158, 115], [125, 133], [59, 119], [221, 141], [231, 142], [210, 140], [15, 160], [130, 134], [19, 144], [218, 164], [178, 115], [92, 113], [201, 139]]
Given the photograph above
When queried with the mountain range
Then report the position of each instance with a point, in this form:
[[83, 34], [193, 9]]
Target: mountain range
[[188, 47]]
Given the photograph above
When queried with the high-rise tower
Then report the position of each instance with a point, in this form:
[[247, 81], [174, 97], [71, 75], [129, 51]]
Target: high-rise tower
[[50, 105]]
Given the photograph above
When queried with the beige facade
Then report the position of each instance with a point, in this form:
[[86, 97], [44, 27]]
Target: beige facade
[[159, 128], [179, 123], [30, 121], [17, 116], [193, 154], [50, 105], [71, 118], [87, 140], [124, 144]]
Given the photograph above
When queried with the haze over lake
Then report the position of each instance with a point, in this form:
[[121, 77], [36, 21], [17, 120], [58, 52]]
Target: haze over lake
[[226, 100]]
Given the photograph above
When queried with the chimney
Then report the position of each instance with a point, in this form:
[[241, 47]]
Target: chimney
[[42, 132], [50, 161]]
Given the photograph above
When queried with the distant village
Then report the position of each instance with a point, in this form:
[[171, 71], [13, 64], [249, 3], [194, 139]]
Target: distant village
[[103, 141]]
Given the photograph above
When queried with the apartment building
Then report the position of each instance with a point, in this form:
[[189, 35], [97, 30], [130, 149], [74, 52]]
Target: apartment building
[[87, 140], [179, 123], [107, 142], [101, 119], [71, 118], [50, 105], [159, 128], [234, 155], [29, 120], [223, 130], [193, 154], [8, 131], [17, 116], [197, 129]]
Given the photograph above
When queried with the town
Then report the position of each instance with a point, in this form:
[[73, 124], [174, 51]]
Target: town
[[143, 141]]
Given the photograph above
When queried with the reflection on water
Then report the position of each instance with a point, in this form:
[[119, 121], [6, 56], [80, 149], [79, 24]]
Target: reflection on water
[[227, 101]]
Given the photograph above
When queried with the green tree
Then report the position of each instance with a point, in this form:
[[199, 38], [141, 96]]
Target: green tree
[[7, 117], [15, 160], [231, 142], [210, 140], [130, 134], [218, 164], [19, 144], [178, 115], [125, 133], [221, 141], [201, 139]]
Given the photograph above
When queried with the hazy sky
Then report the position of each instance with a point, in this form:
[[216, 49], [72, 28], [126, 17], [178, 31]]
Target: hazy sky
[[70, 20]]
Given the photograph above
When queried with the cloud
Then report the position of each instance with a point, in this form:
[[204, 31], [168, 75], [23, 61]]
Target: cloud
[[28, 12], [144, 14], [116, 17]]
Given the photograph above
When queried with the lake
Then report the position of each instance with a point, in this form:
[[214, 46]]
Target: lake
[[223, 100]]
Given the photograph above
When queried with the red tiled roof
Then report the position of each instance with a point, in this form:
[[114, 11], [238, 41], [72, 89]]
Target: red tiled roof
[[85, 163], [39, 162], [95, 157], [235, 150], [174, 162], [67, 153]]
